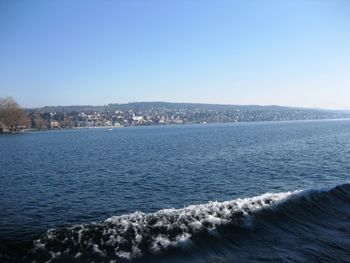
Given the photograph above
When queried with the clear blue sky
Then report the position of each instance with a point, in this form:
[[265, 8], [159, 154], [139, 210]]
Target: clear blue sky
[[67, 52]]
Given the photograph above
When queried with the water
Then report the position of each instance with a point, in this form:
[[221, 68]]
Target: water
[[62, 179]]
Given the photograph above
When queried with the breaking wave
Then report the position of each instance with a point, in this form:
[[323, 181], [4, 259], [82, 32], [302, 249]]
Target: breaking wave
[[271, 226]]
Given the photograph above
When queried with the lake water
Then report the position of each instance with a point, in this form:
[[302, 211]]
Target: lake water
[[66, 180]]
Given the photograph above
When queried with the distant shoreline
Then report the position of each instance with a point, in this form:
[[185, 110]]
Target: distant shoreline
[[171, 124]]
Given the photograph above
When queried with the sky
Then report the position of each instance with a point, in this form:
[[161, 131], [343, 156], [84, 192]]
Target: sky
[[63, 52]]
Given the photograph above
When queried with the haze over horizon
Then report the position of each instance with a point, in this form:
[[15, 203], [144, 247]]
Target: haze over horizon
[[93, 53], [223, 104]]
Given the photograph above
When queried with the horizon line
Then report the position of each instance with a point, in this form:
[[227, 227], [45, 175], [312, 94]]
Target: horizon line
[[201, 103]]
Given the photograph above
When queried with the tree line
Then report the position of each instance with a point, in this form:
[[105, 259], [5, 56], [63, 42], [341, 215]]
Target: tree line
[[11, 115], [13, 118]]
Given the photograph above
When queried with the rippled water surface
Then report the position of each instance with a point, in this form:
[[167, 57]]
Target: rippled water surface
[[59, 178]]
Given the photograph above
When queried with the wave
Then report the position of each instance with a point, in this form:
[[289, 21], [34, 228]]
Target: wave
[[271, 226]]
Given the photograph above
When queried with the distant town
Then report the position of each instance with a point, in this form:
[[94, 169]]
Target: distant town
[[158, 113]]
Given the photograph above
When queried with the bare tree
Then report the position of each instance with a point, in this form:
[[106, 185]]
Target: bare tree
[[11, 114], [38, 122]]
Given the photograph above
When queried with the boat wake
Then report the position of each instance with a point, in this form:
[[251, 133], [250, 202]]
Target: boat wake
[[310, 225]]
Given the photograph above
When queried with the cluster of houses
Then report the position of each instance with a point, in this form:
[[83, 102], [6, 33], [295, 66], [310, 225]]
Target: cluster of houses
[[159, 114], [122, 118], [5, 129]]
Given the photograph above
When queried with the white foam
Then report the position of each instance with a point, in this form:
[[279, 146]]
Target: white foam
[[128, 234]]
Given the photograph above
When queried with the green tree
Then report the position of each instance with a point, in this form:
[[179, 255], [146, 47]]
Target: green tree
[[11, 114]]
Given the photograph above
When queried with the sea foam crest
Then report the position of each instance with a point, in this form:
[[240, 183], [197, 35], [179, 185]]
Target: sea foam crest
[[131, 235]]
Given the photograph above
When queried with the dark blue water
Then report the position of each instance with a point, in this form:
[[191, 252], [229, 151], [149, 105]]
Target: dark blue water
[[57, 179]]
